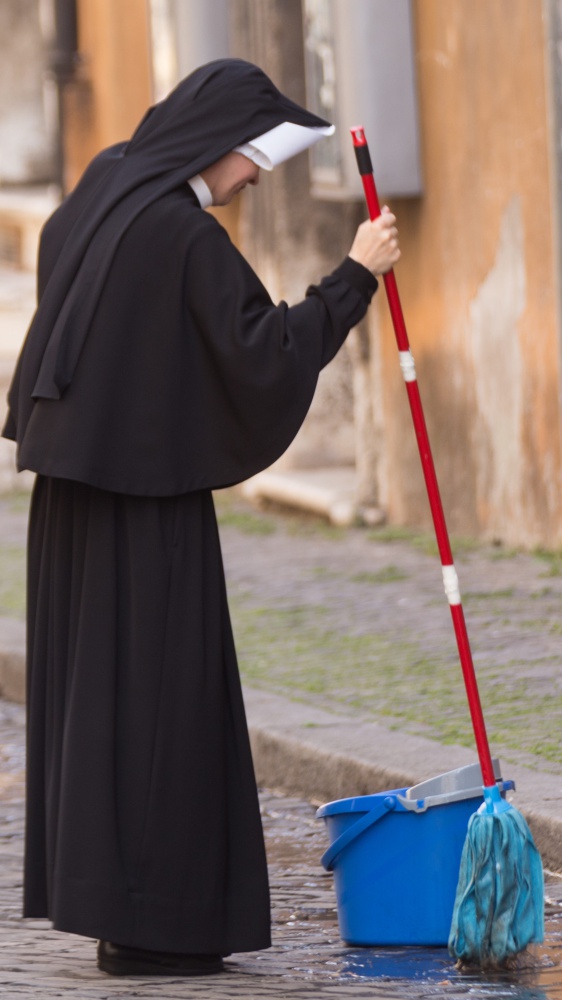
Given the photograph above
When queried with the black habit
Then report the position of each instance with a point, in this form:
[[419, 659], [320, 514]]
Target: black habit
[[156, 369]]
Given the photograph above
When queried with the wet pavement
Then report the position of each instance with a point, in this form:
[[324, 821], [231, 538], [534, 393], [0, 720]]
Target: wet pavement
[[307, 959]]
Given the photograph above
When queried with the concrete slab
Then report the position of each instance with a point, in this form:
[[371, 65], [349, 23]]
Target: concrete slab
[[330, 492]]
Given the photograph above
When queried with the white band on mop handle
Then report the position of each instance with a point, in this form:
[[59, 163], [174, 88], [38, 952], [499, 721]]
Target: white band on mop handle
[[407, 365], [451, 584]]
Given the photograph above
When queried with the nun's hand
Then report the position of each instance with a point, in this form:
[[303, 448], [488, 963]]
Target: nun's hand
[[376, 243]]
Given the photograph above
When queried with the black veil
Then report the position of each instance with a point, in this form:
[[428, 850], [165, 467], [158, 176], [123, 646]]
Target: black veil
[[219, 106]]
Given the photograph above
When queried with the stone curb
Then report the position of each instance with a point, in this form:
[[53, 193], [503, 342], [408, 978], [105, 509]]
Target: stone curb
[[297, 769], [304, 750]]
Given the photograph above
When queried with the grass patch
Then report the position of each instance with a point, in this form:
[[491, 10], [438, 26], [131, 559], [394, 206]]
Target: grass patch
[[424, 541], [18, 501], [289, 651], [312, 525], [498, 552], [324, 573], [388, 574], [388, 533], [232, 513], [235, 512], [391, 533], [309, 654], [12, 581], [553, 558], [488, 595], [246, 522]]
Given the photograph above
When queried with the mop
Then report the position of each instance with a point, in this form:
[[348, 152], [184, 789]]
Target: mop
[[499, 905]]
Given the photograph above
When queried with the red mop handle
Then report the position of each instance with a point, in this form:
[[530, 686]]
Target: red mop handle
[[450, 579]]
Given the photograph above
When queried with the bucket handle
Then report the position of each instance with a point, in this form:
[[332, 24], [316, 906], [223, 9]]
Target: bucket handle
[[368, 819]]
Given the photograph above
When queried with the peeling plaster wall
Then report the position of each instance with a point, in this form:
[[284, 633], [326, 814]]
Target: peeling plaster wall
[[27, 140], [495, 350], [291, 239], [113, 87], [478, 282]]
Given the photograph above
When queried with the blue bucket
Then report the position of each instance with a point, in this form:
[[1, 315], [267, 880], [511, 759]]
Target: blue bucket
[[396, 857]]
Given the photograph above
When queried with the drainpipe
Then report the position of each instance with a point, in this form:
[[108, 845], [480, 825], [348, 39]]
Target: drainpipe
[[552, 21], [60, 28]]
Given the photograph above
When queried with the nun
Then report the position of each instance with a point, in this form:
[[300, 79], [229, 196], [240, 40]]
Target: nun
[[157, 369]]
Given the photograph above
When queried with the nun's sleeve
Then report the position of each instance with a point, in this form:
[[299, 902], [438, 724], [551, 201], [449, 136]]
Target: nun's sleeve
[[345, 295], [241, 324]]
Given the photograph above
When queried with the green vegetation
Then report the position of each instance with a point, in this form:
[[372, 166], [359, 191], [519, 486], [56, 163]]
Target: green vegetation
[[12, 581], [388, 574], [248, 524], [305, 653], [18, 501], [553, 560], [424, 541], [234, 514], [499, 552], [487, 595], [288, 651]]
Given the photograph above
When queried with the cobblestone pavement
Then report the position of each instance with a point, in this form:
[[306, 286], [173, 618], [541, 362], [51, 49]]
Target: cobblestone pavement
[[512, 599], [307, 958]]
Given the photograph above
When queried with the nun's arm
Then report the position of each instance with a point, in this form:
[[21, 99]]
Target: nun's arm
[[245, 329]]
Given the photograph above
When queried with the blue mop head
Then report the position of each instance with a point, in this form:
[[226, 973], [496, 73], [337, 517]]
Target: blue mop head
[[499, 906]]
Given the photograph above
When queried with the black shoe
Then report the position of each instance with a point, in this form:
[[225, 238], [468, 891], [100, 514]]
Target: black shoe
[[120, 960]]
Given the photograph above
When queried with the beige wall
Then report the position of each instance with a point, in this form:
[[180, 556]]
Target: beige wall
[[290, 238], [477, 276], [27, 131], [113, 86], [477, 280]]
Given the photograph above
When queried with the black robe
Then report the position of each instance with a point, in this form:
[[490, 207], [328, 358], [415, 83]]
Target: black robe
[[190, 377], [178, 376], [143, 826]]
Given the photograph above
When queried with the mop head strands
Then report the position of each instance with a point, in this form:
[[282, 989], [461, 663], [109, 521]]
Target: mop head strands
[[499, 906]]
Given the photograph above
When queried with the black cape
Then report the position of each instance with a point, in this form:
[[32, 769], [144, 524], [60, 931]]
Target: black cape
[[126, 286], [190, 377]]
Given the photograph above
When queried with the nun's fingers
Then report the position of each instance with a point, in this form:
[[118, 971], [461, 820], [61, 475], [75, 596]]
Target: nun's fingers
[[376, 244]]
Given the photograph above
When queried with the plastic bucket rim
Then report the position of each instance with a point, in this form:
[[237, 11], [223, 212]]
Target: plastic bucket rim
[[367, 802]]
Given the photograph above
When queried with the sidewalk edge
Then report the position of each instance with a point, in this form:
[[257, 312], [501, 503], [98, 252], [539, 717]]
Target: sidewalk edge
[[296, 768]]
